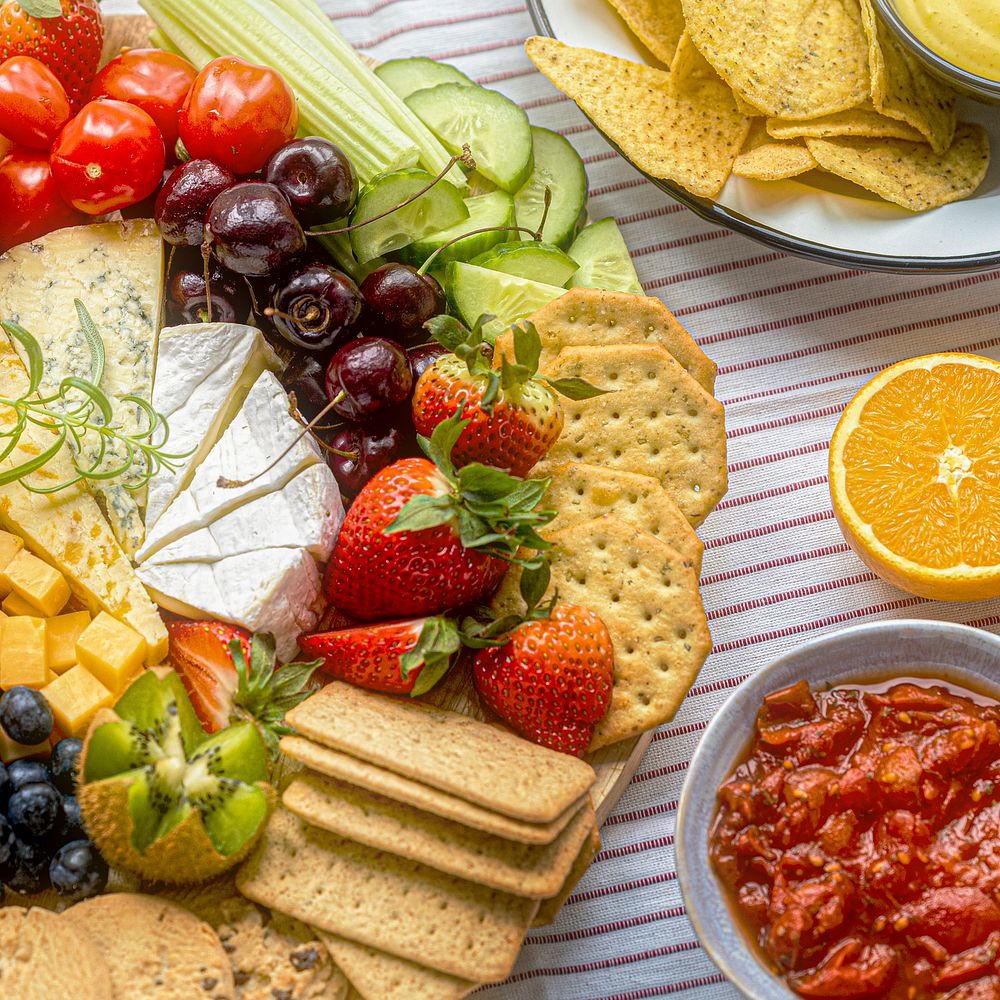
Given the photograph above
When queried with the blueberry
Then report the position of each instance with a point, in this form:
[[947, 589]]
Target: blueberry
[[78, 871], [30, 872], [35, 810], [62, 764], [6, 847], [5, 788], [25, 772], [25, 715], [72, 828]]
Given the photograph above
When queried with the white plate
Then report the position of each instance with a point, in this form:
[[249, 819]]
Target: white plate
[[816, 215]]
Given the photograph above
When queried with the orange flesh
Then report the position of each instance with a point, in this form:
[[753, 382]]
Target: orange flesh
[[923, 466]]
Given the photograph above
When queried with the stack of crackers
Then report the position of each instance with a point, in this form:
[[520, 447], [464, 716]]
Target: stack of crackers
[[633, 473], [770, 91], [421, 844]]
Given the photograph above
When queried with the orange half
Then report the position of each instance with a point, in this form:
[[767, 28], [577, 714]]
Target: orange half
[[915, 476]]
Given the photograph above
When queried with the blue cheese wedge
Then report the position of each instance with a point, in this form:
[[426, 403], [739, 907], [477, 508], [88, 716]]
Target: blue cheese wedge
[[116, 270], [203, 374], [263, 448], [66, 529]]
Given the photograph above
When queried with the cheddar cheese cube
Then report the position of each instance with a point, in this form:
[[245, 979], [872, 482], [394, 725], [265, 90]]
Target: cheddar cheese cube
[[22, 653], [111, 651], [10, 545], [13, 604], [11, 751], [61, 634], [40, 584], [75, 697]]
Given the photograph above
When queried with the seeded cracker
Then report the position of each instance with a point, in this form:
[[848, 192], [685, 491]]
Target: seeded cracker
[[656, 23], [595, 317], [581, 492], [455, 753], [376, 975], [902, 89], [389, 903], [910, 174], [764, 158], [790, 58], [863, 121], [344, 767], [654, 420], [648, 598], [687, 135]]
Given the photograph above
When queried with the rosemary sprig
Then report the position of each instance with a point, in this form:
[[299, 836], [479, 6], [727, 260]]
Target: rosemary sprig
[[79, 413]]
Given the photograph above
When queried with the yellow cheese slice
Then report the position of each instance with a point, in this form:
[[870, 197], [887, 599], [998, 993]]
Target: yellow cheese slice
[[67, 529]]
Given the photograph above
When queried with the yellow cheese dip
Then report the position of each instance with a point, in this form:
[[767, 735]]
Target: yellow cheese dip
[[965, 32]]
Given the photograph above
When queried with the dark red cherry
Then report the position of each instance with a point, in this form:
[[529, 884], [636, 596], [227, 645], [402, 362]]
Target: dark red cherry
[[373, 375], [185, 198], [400, 300], [316, 177], [422, 356]]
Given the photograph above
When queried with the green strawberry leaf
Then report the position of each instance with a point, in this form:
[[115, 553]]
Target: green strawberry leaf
[[527, 347], [422, 512], [535, 578], [574, 388], [485, 482], [447, 331], [513, 376], [42, 8], [434, 652], [529, 493], [439, 447]]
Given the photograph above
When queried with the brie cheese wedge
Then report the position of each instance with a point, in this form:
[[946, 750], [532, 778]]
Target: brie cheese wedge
[[203, 374]]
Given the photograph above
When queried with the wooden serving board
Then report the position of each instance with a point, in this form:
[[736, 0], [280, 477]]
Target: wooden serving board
[[615, 765]]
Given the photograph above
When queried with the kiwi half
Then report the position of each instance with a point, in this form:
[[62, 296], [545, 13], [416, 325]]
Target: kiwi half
[[161, 797]]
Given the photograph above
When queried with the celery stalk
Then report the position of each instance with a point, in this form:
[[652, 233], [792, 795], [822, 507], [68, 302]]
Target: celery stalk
[[179, 35], [326, 106], [322, 39]]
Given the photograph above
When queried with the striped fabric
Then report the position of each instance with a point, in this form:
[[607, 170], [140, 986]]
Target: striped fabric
[[794, 340]]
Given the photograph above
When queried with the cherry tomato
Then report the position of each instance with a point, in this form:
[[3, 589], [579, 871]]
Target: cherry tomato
[[151, 79], [109, 156], [33, 103], [30, 205], [238, 114]]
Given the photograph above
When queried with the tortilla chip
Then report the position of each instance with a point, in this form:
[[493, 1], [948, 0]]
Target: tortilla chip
[[790, 58], [902, 89], [689, 67], [658, 24], [864, 122], [909, 173], [689, 134], [766, 159]]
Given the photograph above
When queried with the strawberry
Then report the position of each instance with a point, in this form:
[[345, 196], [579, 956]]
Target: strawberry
[[514, 414], [404, 657], [212, 660], [423, 537], [66, 35]]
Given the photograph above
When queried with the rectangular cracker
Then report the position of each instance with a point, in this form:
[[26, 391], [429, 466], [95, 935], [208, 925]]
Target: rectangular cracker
[[648, 599], [593, 316], [654, 420], [344, 767], [376, 975], [483, 764], [521, 869], [389, 903], [549, 908], [581, 492]]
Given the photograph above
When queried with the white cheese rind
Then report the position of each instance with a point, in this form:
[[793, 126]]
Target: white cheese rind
[[116, 270], [203, 374], [252, 447]]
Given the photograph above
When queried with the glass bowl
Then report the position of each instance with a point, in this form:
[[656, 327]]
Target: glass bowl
[[970, 84]]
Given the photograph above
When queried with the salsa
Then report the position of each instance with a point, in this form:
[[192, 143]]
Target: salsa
[[861, 841]]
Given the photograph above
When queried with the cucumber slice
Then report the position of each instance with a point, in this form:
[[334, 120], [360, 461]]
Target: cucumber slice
[[439, 208], [495, 128], [536, 261], [475, 291], [604, 259], [485, 210], [558, 167], [407, 76]]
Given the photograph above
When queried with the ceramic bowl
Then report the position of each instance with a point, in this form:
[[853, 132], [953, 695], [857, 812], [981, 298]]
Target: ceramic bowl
[[963, 656], [978, 87]]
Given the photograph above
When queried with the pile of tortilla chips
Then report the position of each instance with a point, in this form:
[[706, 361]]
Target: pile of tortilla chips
[[770, 89]]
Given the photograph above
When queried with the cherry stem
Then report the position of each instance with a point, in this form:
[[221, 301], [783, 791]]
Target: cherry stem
[[311, 314], [231, 484], [535, 234], [465, 158], [206, 256]]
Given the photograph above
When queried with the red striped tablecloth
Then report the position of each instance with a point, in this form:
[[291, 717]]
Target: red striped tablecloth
[[793, 341]]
